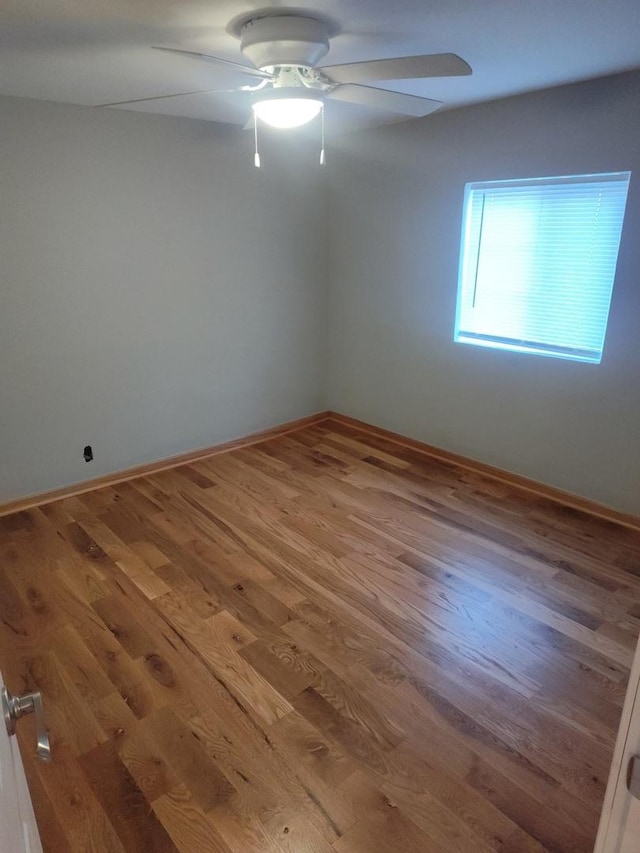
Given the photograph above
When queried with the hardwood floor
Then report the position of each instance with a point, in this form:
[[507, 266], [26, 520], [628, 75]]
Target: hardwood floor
[[327, 643]]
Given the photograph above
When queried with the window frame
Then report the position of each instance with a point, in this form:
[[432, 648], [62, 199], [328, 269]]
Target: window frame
[[496, 341]]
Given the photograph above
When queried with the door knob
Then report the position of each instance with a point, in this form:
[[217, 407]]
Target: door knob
[[14, 707]]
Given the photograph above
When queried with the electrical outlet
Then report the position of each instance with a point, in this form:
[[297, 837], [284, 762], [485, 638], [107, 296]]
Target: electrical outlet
[[88, 453]]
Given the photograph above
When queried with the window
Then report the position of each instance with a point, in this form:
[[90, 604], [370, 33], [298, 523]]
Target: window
[[537, 263]]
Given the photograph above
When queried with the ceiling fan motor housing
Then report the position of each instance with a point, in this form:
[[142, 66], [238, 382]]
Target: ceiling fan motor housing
[[284, 40]]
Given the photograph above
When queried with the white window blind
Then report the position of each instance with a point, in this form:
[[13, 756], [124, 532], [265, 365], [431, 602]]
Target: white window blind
[[538, 260]]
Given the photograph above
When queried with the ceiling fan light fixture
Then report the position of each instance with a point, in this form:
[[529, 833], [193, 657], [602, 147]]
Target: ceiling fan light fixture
[[287, 110], [283, 48]]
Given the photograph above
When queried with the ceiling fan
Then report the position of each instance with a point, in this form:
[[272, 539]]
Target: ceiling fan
[[291, 89]]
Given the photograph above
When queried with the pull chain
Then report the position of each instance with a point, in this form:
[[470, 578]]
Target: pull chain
[[323, 158], [256, 156]]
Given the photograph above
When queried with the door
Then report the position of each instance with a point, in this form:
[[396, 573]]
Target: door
[[18, 830], [619, 830]]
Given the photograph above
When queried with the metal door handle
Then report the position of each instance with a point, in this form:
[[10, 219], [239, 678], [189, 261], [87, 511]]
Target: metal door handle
[[14, 707], [633, 776]]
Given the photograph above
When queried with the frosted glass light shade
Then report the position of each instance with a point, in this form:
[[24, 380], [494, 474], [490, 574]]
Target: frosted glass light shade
[[287, 112]]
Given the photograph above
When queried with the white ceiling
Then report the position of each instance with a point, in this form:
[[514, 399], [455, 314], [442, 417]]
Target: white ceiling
[[98, 51]]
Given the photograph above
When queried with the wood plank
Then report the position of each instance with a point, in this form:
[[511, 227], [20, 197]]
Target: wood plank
[[139, 830], [187, 824]]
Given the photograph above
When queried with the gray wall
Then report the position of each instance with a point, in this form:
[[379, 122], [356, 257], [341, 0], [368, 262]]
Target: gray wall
[[396, 202], [158, 293]]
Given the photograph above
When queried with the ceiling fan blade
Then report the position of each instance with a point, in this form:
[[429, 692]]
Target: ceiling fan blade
[[245, 69], [164, 97], [401, 68], [382, 99]]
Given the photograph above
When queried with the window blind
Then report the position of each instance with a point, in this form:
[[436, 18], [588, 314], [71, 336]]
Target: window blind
[[538, 260]]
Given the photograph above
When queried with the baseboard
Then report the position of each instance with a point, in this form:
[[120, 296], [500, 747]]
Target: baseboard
[[31, 501], [533, 486], [540, 489]]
